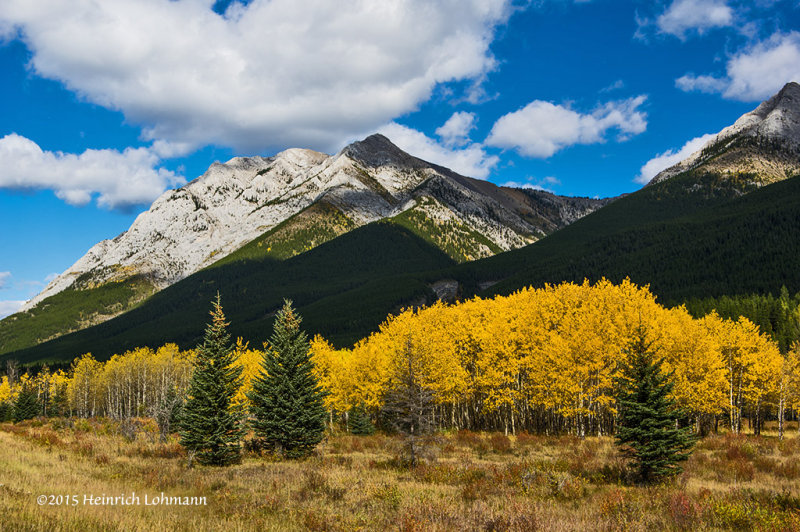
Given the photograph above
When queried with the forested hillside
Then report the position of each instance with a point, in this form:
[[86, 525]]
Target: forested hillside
[[371, 269], [711, 241]]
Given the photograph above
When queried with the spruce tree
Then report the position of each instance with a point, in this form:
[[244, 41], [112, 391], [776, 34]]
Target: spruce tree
[[647, 427], [358, 422], [6, 411], [211, 426], [288, 414], [27, 405]]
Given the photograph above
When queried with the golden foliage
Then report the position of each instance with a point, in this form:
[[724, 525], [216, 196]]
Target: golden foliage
[[555, 349]]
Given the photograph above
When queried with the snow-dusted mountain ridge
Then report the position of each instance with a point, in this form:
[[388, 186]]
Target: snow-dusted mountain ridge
[[233, 203]]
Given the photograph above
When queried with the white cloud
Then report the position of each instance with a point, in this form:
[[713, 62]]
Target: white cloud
[[707, 84], [662, 161], [272, 73], [761, 71], [470, 160], [754, 73], [455, 132], [9, 307], [51, 277], [619, 84], [118, 179], [4, 277], [683, 16], [541, 128]]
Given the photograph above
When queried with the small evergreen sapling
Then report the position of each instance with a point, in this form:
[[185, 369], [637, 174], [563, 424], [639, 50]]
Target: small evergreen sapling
[[286, 401], [647, 427], [358, 422], [211, 425]]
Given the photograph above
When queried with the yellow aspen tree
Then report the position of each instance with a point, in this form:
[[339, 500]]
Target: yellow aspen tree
[[84, 385], [695, 360]]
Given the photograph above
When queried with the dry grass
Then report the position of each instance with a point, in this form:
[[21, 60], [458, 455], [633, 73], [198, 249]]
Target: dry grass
[[477, 482]]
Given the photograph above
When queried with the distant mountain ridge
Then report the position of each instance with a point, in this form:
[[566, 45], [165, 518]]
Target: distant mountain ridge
[[235, 202]]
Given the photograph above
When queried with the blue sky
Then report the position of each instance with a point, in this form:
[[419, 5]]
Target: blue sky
[[103, 106]]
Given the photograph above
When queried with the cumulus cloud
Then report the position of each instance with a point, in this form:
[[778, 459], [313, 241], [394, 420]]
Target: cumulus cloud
[[117, 179], [541, 128], [662, 161], [762, 70], [455, 132], [4, 277], [266, 74], [754, 73], [9, 307], [684, 16], [470, 160]]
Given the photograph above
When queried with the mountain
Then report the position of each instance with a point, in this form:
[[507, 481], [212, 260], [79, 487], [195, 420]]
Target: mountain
[[277, 207], [762, 146]]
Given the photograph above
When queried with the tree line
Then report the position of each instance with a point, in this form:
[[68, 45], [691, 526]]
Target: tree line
[[544, 360]]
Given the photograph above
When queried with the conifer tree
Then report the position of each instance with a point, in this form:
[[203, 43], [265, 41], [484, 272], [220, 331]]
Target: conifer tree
[[647, 427], [6, 411], [27, 405], [211, 426], [286, 401], [358, 422]]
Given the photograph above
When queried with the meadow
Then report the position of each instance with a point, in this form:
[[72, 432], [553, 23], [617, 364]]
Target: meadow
[[471, 481]]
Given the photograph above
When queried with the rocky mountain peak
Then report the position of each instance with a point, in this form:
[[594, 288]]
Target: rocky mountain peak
[[776, 118], [764, 143], [377, 150], [787, 99]]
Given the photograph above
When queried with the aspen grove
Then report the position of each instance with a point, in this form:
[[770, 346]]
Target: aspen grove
[[542, 360]]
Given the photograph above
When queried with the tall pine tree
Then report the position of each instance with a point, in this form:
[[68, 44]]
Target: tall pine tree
[[286, 400], [647, 427], [211, 426]]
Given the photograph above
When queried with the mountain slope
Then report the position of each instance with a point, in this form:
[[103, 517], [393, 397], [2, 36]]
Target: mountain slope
[[359, 263], [743, 245], [723, 221], [346, 287]]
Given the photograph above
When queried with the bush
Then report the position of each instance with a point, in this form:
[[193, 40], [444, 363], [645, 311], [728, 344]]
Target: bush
[[500, 443]]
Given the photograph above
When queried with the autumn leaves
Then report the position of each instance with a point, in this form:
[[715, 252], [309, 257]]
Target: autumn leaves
[[546, 359]]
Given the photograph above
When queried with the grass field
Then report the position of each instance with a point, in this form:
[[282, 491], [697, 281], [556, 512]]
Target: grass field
[[476, 482]]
